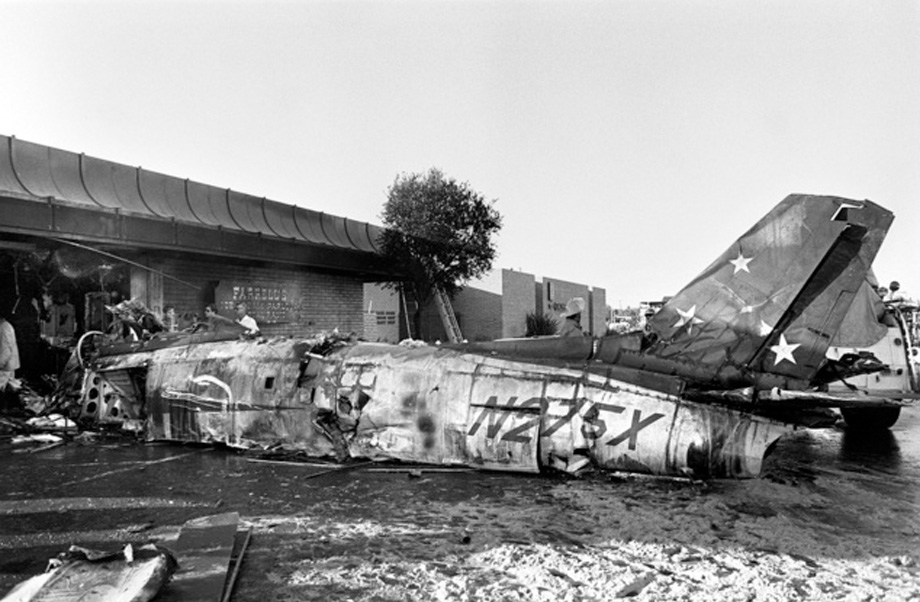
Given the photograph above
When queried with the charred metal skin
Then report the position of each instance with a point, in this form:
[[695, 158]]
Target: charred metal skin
[[433, 405], [131, 575], [445, 407]]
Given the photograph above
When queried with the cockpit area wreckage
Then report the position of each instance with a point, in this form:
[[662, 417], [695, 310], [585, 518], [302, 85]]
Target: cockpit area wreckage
[[783, 326]]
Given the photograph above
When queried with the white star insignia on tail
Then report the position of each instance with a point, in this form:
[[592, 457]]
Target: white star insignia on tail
[[741, 263], [688, 318], [784, 350]]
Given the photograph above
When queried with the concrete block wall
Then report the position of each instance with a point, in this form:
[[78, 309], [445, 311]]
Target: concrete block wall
[[382, 313], [312, 301], [597, 307], [518, 300]]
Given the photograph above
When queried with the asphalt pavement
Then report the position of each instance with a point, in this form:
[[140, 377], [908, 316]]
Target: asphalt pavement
[[835, 515]]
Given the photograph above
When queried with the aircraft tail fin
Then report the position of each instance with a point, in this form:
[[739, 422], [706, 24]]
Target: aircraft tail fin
[[772, 302]]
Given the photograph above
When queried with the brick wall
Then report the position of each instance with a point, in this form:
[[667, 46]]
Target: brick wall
[[518, 300], [295, 302]]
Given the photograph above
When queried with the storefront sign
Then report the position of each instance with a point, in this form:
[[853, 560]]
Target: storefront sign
[[267, 304]]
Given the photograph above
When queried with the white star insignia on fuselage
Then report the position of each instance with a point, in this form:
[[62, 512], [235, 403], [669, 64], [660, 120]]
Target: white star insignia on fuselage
[[688, 318], [784, 350], [741, 263]]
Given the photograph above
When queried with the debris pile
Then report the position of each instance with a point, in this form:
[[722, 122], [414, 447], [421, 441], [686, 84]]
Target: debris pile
[[589, 541]]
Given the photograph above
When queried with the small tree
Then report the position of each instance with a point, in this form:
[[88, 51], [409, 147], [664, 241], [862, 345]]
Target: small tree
[[438, 231], [539, 324]]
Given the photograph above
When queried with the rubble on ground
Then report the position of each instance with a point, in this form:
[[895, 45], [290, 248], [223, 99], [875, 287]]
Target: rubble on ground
[[595, 540]]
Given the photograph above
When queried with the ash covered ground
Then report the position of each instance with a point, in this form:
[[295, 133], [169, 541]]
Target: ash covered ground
[[833, 517]]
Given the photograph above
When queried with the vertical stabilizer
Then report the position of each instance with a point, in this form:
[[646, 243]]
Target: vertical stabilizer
[[772, 302]]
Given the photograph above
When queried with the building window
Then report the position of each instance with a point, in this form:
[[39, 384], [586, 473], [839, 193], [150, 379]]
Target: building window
[[549, 291], [386, 318]]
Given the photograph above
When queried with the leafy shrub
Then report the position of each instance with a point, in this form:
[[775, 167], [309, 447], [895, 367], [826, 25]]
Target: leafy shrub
[[540, 324]]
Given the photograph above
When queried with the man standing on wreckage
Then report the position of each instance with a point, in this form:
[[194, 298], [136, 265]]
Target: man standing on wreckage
[[733, 361]]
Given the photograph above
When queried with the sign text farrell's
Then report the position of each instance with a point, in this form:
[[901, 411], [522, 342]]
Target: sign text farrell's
[[267, 304]]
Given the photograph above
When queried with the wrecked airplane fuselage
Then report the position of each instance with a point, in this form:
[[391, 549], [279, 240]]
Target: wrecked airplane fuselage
[[430, 405]]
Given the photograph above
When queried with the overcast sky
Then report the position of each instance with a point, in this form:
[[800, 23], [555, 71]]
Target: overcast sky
[[626, 143]]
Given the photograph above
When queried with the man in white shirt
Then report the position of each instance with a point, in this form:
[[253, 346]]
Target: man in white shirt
[[246, 321], [9, 363], [894, 293]]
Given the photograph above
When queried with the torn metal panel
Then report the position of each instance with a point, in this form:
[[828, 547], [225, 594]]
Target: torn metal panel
[[503, 426], [130, 575], [397, 402], [113, 397], [241, 393]]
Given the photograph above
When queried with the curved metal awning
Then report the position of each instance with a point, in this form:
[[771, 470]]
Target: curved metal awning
[[309, 225], [72, 195], [166, 196], [358, 235], [280, 218], [209, 204]]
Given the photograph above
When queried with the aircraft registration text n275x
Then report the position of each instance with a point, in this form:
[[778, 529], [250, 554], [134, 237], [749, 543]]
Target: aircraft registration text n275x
[[783, 326]]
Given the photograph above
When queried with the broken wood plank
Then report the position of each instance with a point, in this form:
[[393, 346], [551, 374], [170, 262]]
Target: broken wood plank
[[231, 581], [297, 463], [203, 550], [447, 469], [126, 469]]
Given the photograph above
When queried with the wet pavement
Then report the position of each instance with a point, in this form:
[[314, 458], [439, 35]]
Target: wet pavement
[[834, 516]]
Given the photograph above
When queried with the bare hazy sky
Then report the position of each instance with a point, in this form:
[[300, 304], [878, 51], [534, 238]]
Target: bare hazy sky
[[627, 143]]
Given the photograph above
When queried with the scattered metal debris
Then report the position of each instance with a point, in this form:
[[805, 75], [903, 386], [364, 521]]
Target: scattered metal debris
[[84, 575]]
